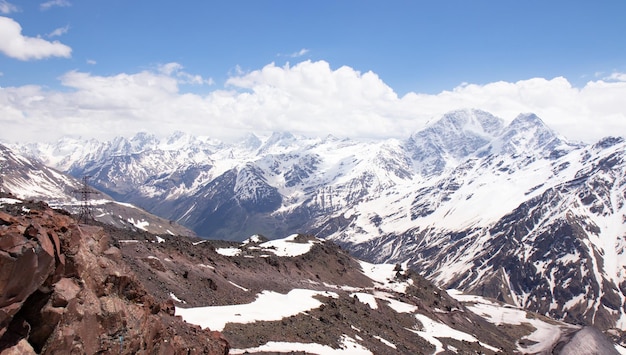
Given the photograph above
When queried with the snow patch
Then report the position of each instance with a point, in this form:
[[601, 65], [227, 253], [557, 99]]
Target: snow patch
[[239, 287], [228, 251], [384, 274], [173, 296], [433, 330], [288, 246], [268, 306], [366, 298], [348, 346]]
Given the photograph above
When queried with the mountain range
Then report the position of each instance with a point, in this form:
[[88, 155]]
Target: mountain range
[[510, 211]]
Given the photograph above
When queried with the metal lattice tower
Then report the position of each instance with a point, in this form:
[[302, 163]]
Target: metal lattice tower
[[85, 215], [2, 177]]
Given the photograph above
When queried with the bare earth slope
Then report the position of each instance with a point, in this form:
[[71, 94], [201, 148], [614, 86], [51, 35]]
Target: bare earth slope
[[64, 288]]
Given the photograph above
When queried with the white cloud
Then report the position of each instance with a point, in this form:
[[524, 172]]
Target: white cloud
[[59, 31], [299, 53], [16, 45], [7, 8], [616, 77], [54, 3], [91, 62], [309, 98], [176, 69]]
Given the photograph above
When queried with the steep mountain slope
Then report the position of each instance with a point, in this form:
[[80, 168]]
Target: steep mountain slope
[[452, 139], [29, 179], [559, 251], [65, 289], [505, 211]]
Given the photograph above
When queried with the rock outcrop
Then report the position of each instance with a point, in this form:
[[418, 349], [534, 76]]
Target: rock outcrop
[[64, 288]]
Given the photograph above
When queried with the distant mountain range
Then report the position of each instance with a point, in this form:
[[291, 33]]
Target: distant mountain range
[[29, 179], [515, 212]]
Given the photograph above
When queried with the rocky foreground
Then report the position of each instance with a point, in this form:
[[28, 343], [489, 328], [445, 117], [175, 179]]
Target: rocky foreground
[[65, 289], [69, 288]]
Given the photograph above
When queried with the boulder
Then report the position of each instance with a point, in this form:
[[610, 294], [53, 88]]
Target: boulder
[[64, 288]]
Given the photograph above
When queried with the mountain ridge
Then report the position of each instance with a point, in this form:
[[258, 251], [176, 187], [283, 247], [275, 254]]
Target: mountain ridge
[[443, 205]]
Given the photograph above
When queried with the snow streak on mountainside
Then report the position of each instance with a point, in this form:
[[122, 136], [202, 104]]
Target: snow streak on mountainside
[[514, 212]]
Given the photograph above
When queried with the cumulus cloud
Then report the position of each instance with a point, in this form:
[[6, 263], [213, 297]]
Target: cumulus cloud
[[309, 98], [54, 3], [15, 45], [6, 7]]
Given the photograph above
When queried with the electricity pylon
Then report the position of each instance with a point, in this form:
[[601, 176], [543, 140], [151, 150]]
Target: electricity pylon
[[85, 215]]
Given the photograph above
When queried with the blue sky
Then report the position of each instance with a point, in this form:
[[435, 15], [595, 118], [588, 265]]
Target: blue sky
[[201, 54]]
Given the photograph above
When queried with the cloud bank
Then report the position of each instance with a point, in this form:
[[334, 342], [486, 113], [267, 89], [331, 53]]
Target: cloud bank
[[308, 98], [15, 45]]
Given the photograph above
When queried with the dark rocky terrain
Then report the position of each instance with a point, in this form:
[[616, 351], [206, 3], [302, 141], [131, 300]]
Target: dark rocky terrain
[[74, 288], [66, 289]]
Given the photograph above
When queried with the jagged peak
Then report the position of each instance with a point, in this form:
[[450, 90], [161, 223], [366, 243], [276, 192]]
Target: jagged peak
[[250, 141], [180, 138], [143, 140], [528, 134], [279, 136], [529, 119], [119, 145], [330, 138], [277, 139], [457, 135], [474, 120], [528, 124], [608, 142]]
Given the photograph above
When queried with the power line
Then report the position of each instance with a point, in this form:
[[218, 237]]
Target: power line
[[85, 214]]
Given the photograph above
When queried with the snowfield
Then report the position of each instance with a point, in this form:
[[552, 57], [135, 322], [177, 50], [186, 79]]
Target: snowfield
[[269, 306], [349, 346], [285, 247]]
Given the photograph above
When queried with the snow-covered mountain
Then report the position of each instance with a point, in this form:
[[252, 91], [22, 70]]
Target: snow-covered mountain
[[514, 212], [29, 179]]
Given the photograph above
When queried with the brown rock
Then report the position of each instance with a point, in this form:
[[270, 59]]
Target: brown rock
[[23, 347], [23, 274], [11, 240], [31, 232], [64, 290], [78, 295], [113, 253], [6, 219]]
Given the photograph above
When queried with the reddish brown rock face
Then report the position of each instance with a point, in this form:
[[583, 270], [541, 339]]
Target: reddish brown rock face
[[64, 288]]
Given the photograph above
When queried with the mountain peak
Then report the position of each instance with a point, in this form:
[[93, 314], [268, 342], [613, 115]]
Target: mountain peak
[[250, 141], [607, 142], [528, 134], [457, 135], [180, 139], [472, 120], [529, 119], [142, 141], [278, 139], [279, 136]]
